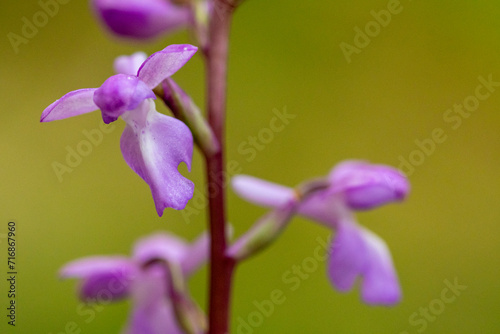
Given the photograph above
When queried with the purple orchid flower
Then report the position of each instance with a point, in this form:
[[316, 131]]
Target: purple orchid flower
[[355, 251], [152, 144], [141, 19], [113, 278]]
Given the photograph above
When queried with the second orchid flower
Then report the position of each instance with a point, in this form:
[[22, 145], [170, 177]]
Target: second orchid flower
[[355, 251]]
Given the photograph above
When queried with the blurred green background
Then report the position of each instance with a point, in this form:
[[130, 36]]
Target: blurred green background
[[284, 54]]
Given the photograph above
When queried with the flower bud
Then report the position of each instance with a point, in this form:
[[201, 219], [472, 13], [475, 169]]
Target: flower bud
[[141, 19]]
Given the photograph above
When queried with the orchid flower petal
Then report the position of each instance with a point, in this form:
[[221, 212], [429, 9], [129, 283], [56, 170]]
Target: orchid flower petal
[[102, 277], [129, 64], [160, 246], [155, 319], [120, 93], [380, 284], [153, 145], [320, 207], [366, 186], [152, 312], [141, 18], [323, 207], [357, 252], [262, 192], [163, 64], [74, 103], [347, 257]]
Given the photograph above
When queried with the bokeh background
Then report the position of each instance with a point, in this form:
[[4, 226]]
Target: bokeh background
[[284, 54]]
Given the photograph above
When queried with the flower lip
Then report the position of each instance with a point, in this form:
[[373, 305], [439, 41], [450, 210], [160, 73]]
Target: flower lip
[[359, 253], [155, 157], [119, 94]]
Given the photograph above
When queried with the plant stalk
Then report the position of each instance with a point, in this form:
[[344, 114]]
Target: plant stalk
[[221, 266]]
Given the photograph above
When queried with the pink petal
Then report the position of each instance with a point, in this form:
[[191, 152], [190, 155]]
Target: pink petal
[[380, 284], [173, 249], [152, 311], [154, 145], [72, 104], [261, 192], [160, 246], [347, 257], [158, 318], [325, 207], [164, 63], [357, 252], [103, 278]]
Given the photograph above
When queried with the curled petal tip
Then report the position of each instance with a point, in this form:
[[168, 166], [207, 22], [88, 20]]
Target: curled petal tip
[[47, 111], [185, 194]]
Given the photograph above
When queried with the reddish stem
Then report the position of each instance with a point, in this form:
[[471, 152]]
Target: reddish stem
[[221, 267]]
